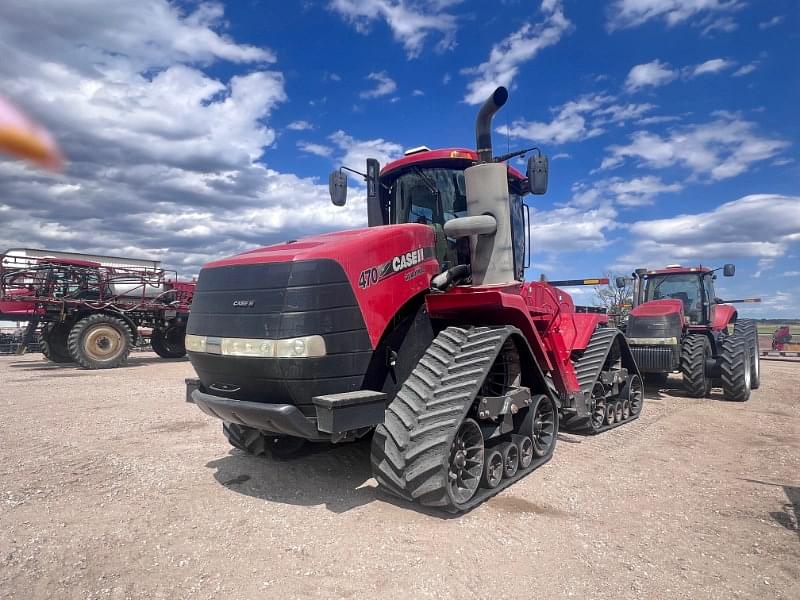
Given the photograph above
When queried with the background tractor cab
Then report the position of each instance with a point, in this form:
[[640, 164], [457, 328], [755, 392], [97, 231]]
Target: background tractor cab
[[679, 324]]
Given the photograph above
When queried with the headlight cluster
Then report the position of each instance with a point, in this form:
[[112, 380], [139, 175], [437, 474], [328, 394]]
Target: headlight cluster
[[309, 346]]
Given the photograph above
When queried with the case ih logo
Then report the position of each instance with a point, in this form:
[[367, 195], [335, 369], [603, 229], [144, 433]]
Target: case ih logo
[[244, 303], [399, 263]]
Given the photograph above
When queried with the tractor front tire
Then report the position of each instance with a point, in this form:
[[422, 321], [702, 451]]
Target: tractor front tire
[[696, 349], [169, 342], [54, 343], [100, 341], [734, 359], [749, 331]]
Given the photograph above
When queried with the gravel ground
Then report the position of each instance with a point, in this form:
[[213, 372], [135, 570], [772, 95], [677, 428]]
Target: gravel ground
[[111, 486]]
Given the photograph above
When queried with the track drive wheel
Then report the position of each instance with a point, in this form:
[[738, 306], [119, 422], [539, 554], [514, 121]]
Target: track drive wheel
[[749, 331], [54, 343], [696, 349], [734, 359], [100, 341], [169, 342]]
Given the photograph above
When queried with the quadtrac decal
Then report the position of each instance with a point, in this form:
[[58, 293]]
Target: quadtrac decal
[[397, 264]]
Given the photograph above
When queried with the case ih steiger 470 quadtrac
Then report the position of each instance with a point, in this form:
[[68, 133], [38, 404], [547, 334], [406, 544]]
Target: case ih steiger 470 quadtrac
[[419, 327], [678, 324], [90, 313]]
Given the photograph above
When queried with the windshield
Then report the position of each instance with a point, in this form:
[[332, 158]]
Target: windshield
[[683, 287]]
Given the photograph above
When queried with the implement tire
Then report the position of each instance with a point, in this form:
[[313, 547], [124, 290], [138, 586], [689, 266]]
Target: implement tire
[[54, 343], [696, 349], [734, 359], [169, 342], [749, 331], [100, 341]]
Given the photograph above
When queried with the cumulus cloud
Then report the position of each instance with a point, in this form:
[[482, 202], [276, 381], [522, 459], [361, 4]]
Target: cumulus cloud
[[764, 226], [746, 69], [652, 74], [631, 13], [521, 46], [774, 21], [576, 120], [299, 126], [354, 153], [637, 191], [718, 150], [411, 21], [165, 159], [317, 149], [583, 229], [384, 85]]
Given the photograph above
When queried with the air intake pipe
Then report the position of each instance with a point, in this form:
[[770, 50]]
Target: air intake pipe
[[483, 124]]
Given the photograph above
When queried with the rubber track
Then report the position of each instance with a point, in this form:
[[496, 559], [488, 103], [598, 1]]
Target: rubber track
[[732, 358], [749, 331], [410, 450], [693, 365], [587, 371]]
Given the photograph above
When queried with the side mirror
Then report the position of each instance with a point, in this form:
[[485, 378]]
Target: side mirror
[[728, 270], [620, 281], [537, 174], [337, 185], [466, 226]]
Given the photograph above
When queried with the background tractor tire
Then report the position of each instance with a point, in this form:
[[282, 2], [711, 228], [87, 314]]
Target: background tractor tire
[[748, 330], [734, 358], [100, 341], [696, 349], [169, 342], [54, 343], [258, 443]]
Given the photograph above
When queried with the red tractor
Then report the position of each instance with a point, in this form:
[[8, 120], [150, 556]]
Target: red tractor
[[419, 330], [90, 313], [679, 325], [783, 340]]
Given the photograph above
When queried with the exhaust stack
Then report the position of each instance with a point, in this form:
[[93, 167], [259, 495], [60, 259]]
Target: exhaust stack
[[483, 124]]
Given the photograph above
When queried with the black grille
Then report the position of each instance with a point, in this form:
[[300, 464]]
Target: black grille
[[658, 359]]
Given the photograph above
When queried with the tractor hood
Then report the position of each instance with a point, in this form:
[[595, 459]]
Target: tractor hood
[[382, 269], [658, 308]]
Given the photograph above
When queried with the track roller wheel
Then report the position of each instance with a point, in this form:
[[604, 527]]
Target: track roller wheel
[[493, 468], [510, 454], [618, 411], [626, 409], [611, 412], [525, 446], [598, 404]]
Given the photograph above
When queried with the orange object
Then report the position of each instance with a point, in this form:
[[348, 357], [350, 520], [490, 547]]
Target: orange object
[[22, 138]]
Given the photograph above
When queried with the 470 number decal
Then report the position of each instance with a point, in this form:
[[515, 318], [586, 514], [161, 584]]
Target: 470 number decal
[[399, 263]]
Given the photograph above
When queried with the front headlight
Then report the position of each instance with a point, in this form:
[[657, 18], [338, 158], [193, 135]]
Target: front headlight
[[309, 346]]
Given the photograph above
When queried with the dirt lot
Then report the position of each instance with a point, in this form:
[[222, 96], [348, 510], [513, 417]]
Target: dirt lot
[[111, 486]]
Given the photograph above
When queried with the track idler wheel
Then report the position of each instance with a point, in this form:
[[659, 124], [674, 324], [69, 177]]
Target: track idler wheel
[[525, 446], [493, 468], [633, 392], [510, 454]]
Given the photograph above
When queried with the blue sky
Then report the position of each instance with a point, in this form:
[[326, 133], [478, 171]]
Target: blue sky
[[196, 130]]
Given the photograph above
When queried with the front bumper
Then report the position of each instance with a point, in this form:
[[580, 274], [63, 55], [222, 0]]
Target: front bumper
[[337, 415]]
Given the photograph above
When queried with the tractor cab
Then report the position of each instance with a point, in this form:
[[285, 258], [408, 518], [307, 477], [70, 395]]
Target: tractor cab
[[428, 187], [693, 287]]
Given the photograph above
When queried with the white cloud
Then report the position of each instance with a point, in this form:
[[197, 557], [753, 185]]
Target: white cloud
[[719, 149], [384, 85], [631, 13], [637, 191], [776, 20], [570, 228], [417, 93], [791, 274], [353, 153], [300, 126], [318, 149], [410, 21], [521, 46], [655, 120], [652, 74], [746, 69], [763, 226], [723, 24], [576, 120], [158, 148], [715, 65], [561, 155]]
